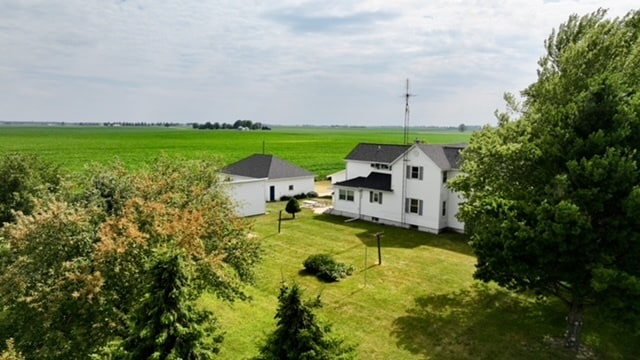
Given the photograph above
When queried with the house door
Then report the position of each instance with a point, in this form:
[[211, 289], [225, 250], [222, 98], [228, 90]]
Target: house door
[[272, 193]]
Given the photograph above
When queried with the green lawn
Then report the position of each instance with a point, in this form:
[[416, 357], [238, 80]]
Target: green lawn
[[421, 303], [320, 150]]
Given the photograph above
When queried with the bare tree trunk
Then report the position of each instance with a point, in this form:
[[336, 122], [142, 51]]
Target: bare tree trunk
[[574, 326]]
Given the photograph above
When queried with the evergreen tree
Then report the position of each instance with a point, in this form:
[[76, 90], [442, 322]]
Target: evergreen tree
[[292, 207], [167, 324], [298, 334]]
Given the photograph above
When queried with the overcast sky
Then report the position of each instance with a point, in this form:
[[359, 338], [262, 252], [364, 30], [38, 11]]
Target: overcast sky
[[277, 62]]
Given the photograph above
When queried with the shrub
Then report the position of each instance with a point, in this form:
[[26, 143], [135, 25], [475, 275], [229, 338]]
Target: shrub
[[312, 194], [300, 196], [326, 268], [292, 207], [285, 198]]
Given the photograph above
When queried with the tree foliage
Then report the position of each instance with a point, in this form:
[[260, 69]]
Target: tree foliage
[[292, 207], [552, 193], [73, 270], [24, 176], [10, 353], [298, 334], [167, 324]]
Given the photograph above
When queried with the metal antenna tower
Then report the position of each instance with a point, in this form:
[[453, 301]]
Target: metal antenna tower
[[407, 95]]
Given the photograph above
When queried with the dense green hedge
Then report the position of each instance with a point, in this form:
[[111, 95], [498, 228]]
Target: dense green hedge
[[326, 268]]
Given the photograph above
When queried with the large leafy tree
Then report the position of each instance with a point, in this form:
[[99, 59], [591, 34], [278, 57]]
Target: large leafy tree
[[299, 334], [72, 271], [24, 176], [553, 192]]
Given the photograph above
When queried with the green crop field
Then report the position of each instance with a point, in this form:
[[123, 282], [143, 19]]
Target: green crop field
[[319, 150]]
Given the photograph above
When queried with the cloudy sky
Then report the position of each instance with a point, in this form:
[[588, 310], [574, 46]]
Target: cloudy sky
[[278, 62]]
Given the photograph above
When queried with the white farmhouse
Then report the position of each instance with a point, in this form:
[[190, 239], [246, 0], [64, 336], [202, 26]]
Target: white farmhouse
[[281, 178], [401, 185]]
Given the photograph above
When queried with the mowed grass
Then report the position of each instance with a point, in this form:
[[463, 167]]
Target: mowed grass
[[319, 150], [421, 303]]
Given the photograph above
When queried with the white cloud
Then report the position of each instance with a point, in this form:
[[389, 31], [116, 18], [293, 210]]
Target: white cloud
[[331, 62]]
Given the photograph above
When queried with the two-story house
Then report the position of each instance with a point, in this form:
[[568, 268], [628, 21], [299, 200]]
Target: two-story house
[[400, 185]]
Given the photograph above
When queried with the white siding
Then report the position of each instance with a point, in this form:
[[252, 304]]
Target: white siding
[[454, 204], [282, 187], [248, 196], [338, 176], [430, 189]]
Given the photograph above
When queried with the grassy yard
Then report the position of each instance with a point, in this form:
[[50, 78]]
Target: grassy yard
[[421, 303]]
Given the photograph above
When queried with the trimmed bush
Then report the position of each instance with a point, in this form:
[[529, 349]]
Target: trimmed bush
[[326, 268], [300, 196], [312, 194]]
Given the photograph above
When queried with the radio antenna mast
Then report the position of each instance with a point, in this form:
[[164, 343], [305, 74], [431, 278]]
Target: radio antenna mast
[[407, 95]]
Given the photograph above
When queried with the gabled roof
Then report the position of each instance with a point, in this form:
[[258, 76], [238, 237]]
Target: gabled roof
[[265, 166], [375, 181], [446, 157], [379, 153]]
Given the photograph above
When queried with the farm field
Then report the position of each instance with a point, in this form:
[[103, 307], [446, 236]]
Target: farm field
[[319, 150], [421, 303]]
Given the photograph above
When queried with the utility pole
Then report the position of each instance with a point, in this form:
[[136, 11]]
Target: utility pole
[[405, 160], [378, 236], [407, 95]]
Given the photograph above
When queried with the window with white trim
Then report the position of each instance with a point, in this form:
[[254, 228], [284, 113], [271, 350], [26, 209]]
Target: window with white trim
[[345, 195], [375, 197], [413, 206], [380, 166], [290, 187], [444, 177], [415, 172], [444, 208]]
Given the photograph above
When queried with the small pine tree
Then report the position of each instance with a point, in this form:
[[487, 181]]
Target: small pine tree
[[298, 334], [293, 207], [167, 325]]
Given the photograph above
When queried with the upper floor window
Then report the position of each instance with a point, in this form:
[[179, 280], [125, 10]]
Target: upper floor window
[[345, 195], [375, 197], [444, 177], [290, 187], [413, 206], [415, 172]]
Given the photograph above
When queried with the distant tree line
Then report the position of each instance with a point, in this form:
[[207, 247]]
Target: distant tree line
[[238, 125], [120, 123]]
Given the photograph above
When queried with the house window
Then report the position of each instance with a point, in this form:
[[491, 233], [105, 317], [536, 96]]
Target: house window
[[444, 208], [413, 206], [375, 197], [414, 172], [290, 187], [345, 195], [380, 166], [444, 177]]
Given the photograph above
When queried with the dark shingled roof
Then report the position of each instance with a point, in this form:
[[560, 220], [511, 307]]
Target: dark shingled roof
[[447, 157], [265, 166], [379, 153], [375, 181]]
